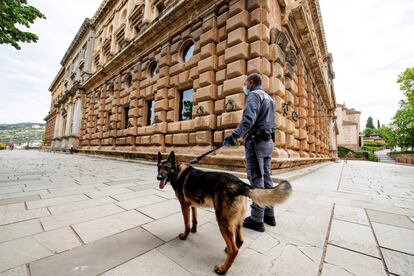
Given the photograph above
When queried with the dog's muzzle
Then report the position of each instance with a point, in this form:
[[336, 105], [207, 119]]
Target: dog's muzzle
[[163, 181]]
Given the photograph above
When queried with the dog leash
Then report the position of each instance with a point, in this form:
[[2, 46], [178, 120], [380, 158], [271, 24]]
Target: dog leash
[[198, 158]]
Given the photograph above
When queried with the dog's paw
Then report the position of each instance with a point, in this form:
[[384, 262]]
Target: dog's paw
[[239, 244], [194, 229], [219, 269], [182, 236]]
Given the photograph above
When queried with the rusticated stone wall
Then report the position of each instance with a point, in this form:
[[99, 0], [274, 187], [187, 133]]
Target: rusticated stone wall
[[232, 39]]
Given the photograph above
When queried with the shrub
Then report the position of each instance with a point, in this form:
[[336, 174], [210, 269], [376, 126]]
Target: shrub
[[372, 156], [357, 154], [342, 152], [2, 146]]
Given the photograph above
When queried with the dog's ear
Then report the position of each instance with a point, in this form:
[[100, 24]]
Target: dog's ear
[[159, 157], [171, 157]]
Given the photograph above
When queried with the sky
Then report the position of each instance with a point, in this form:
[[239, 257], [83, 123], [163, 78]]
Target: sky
[[26, 74], [372, 42]]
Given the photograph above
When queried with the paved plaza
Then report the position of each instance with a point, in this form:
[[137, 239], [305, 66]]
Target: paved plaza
[[64, 214]]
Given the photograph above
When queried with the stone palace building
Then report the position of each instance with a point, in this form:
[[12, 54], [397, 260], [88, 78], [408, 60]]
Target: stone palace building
[[143, 76], [348, 121]]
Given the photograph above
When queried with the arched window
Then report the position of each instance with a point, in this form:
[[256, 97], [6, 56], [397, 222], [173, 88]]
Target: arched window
[[152, 69], [188, 51]]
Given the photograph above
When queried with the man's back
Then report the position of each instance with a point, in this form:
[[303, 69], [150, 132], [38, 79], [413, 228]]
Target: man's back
[[266, 114]]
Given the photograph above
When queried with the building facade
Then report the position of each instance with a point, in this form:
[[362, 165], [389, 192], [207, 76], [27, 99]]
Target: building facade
[[161, 75], [348, 122]]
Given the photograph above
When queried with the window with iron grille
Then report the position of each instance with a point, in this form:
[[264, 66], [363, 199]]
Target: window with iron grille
[[150, 112], [186, 104]]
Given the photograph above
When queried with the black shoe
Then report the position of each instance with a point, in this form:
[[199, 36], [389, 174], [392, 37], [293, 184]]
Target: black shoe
[[251, 224], [270, 220]]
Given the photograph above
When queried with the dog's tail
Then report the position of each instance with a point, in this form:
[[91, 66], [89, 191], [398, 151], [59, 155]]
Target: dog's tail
[[270, 197]]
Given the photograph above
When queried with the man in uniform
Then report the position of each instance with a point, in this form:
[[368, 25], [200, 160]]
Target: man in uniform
[[257, 128]]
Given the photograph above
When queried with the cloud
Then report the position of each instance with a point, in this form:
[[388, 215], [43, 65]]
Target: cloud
[[371, 42], [26, 75]]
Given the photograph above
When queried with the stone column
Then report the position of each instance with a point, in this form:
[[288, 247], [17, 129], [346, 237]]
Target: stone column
[[55, 130], [220, 74], [237, 64], [116, 110], [278, 92], [77, 115], [303, 111], [311, 117], [206, 93]]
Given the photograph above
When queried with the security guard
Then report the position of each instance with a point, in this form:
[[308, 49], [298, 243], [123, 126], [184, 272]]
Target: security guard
[[257, 128]]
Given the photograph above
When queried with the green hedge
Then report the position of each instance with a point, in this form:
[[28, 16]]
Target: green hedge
[[372, 144], [370, 148]]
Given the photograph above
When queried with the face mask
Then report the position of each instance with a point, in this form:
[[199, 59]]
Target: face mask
[[246, 90]]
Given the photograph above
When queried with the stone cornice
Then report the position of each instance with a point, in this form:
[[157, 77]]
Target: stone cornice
[[56, 79], [317, 19], [50, 114], [78, 37], [299, 21], [176, 14], [105, 6], [348, 111]]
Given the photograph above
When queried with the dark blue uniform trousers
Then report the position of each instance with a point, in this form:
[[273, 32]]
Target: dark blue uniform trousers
[[258, 173]]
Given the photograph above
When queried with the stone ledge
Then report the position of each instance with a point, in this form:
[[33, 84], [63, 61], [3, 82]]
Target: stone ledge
[[224, 162]]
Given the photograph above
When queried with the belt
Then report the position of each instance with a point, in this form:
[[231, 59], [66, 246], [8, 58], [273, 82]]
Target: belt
[[262, 135]]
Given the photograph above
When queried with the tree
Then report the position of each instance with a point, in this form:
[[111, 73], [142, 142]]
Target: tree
[[403, 119], [17, 12], [388, 134], [368, 131], [404, 122], [378, 124], [406, 82], [370, 123]]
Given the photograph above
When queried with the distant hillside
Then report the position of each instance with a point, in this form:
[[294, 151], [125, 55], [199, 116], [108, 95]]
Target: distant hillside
[[20, 125], [21, 132]]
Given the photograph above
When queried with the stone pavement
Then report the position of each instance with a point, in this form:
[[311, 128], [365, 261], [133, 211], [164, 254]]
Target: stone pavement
[[66, 214], [383, 156]]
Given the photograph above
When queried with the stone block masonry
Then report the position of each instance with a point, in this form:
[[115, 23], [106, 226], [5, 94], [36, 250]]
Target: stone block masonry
[[171, 78]]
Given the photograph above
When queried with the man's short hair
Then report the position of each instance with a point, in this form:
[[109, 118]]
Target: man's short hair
[[255, 78]]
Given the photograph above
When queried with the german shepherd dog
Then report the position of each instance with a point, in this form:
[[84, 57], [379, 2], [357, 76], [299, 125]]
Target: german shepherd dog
[[222, 191]]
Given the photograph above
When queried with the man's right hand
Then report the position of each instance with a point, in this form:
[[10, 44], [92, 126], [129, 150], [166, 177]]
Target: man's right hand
[[229, 140]]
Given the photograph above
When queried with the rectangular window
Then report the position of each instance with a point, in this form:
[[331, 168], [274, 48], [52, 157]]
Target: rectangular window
[[125, 113], [186, 104], [150, 112]]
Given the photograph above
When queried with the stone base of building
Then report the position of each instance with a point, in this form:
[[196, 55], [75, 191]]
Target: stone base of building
[[224, 159], [65, 143]]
